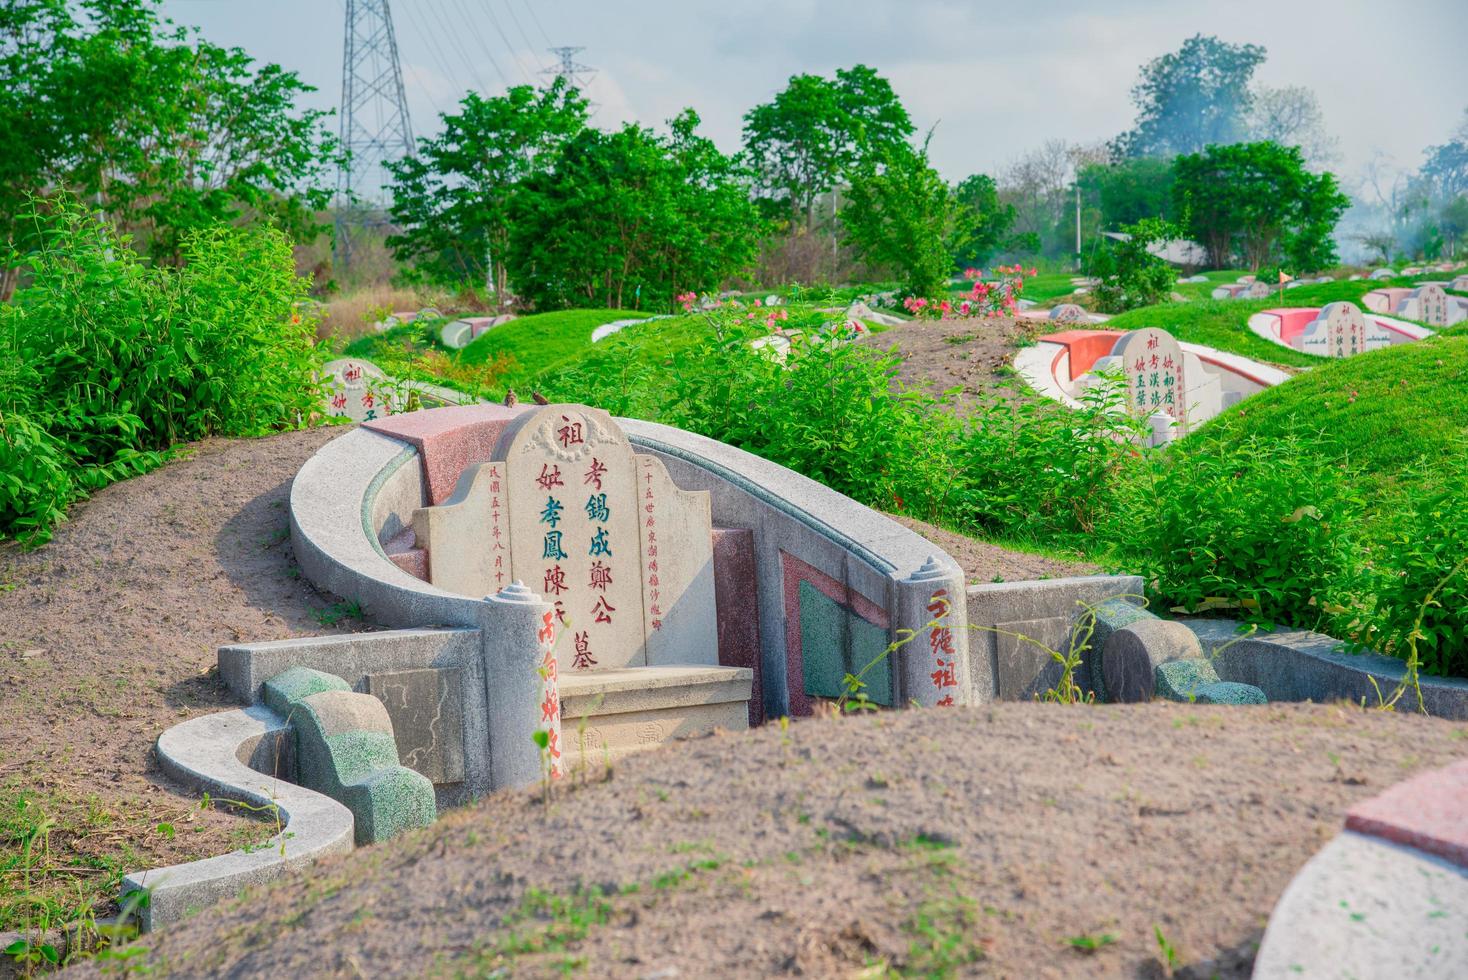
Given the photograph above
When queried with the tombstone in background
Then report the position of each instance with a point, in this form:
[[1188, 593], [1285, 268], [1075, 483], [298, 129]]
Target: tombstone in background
[[356, 390], [566, 506], [1257, 290], [1067, 313], [1339, 330], [1382, 274], [1156, 383], [1459, 285], [1427, 304]]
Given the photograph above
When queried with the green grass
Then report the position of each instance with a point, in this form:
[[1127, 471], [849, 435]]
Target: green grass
[[542, 341], [1377, 412]]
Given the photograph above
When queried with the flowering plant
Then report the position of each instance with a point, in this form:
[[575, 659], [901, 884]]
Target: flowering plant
[[992, 298]]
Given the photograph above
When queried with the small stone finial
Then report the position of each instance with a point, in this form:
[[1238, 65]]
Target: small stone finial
[[930, 570], [515, 592]]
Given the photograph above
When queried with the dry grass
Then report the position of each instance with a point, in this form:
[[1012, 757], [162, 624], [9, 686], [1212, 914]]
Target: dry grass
[[351, 315]]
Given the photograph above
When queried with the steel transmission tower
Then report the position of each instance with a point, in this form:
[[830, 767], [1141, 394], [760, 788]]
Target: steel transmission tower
[[575, 74], [375, 125]]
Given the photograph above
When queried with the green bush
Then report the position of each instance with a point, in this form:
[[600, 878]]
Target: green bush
[[1263, 523], [110, 362]]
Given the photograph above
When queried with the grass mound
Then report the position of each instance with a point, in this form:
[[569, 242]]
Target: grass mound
[[543, 340]]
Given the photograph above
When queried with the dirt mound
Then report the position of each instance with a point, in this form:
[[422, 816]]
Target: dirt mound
[[1019, 840], [108, 636]]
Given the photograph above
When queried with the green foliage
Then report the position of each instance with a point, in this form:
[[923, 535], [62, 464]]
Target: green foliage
[[107, 363], [818, 130], [1129, 190], [901, 215], [1264, 523], [1257, 200], [542, 342], [630, 219], [454, 197], [1191, 98], [163, 131], [1130, 275], [981, 222]]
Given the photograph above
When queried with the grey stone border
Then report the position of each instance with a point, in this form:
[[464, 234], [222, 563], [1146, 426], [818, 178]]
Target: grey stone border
[[1364, 907], [1298, 665], [217, 754]]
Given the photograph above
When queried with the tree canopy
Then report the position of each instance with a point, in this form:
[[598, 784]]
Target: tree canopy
[[1257, 200], [162, 130], [818, 130], [1193, 97]]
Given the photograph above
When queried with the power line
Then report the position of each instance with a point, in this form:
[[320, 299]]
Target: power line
[[453, 37], [536, 19], [494, 22], [509, 8]]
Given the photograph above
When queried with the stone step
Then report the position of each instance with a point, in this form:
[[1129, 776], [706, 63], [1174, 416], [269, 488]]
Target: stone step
[[614, 712]]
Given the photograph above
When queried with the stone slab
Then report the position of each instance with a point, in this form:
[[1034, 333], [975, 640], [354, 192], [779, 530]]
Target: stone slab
[[1428, 812], [735, 591], [1024, 666], [638, 689], [614, 736], [1155, 374], [427, 711], [1363, 908], [1229, 692], [1180, 680], [449, 440], [467, 537], [677, 568]]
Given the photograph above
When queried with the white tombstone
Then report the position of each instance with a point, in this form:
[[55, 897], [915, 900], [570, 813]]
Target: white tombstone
[[1383, 274], [356, 390], [1428, 304], [772, 300], [1338, 330], [1459, 285], [1155, 374], [455, 334], [1067, 313], [1257, 290], [602, 533]]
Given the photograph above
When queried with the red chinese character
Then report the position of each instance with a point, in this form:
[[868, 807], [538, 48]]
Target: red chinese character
[[944, 675], [1141, 364], [353, 373], [603, 610], [946, 702], [1152, 342], [553, 746], [550, 476], [367, 400], [583, 659], [938, 605], [340, 401], [569, 434], [601, 576], [547, 631], [657, 624], [550, 708], [594, 475], [555, 581], [941, 640]]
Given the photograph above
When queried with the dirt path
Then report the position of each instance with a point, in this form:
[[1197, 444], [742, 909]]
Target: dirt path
[[108, 636], [975, 356], [990, 841]]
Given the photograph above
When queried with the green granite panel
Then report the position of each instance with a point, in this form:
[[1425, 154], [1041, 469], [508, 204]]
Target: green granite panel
[[834, 641]]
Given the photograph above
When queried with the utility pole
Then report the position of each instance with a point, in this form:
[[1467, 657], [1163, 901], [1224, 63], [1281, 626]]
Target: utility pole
[[1078, 224], [374, 125]]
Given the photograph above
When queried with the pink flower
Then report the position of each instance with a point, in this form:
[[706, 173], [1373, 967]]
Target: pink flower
[[758, 303]]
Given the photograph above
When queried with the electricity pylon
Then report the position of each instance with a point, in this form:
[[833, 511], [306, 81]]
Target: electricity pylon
[[374, 124]]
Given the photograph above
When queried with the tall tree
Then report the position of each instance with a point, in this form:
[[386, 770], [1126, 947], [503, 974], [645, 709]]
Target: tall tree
[[1259, 201], [162, 131], [1129, 190], [1291, 116], [1193, 97], [630, 218], [453, 200], [901, 215], [981, 221], [817, 130]]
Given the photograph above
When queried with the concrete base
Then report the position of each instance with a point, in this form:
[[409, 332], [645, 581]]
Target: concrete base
[[610, 713]]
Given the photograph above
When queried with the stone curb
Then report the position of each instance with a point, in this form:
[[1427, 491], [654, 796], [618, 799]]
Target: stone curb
[[206, 754]]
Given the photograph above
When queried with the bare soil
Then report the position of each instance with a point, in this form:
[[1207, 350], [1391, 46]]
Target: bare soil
[[108, 636], [994, 841], [983, 562], [973, 357]]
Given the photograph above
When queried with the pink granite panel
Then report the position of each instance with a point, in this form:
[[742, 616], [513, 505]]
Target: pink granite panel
[[1428, 812], [449, 440], [736, 599]]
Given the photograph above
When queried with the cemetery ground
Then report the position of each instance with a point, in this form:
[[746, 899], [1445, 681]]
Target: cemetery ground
[[1033, 838]]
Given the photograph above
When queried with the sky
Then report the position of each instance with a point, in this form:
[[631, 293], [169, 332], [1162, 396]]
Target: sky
[[992, 80]]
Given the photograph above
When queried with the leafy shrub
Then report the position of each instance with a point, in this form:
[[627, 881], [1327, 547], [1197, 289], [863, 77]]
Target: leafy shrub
[[1036, 468], [110, 362], [1130, 276], [1264, 523], [1422, 555]]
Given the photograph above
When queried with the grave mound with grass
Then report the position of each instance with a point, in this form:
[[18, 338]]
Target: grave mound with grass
[[544, 339]]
